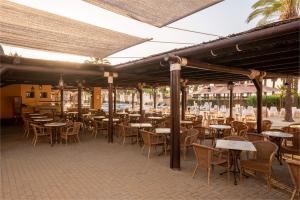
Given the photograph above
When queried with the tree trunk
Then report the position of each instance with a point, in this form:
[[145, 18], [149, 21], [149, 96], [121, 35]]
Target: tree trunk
[[273, 82], [295, 92], [288, 101]]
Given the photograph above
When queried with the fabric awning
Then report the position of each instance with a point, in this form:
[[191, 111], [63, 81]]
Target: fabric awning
[[27, 27], [155, 12]]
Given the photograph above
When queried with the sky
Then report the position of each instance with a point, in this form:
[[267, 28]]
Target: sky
[[221, 19]]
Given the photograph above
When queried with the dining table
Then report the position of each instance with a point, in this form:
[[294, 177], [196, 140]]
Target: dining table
[[99, 117], [39, 117], [35, 114], [43, 120], [219, 128], [235, 147], [277, 137], [296, 126], [114, 119], [140, 126], [55, 127]]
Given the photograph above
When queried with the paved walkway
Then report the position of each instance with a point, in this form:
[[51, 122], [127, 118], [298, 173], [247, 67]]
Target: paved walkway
[[95, 169]]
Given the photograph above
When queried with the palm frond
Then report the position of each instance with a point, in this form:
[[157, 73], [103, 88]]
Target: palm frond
[[263, 3], [255, 14]]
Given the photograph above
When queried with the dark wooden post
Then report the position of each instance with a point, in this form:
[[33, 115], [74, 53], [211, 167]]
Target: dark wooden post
[[110, 77], [140, 90], [259, 92], [79, 102], [175, 115], [115, 100], [92, 98], [230, 86], [110, 109], [61, 102], [183, 101], [132, 100], [154, 97], [230, 102]]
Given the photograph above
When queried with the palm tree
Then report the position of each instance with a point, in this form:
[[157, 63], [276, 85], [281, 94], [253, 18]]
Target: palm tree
[[274, 10], [96, 60]]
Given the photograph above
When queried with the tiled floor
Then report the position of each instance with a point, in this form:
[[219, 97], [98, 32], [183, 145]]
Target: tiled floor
[[95, 169]]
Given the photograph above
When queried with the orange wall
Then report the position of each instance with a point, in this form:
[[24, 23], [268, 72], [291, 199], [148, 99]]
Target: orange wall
[[20, 90], [6, 109], [96, 98]]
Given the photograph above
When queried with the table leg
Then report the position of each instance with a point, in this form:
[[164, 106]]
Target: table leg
[[235, 165]]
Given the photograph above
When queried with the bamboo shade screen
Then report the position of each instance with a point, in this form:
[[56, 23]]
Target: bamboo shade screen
[[155, 12], [27, 27]]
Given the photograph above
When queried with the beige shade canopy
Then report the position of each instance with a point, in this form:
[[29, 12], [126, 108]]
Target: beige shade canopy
[[155, 12], [27, 27]]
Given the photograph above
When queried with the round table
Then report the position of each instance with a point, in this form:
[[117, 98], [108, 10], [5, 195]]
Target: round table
[[277, 137], [55, 126], [39, 117], [219, 128], [297, 126], [43, 120], [99, 117], [34, 114]]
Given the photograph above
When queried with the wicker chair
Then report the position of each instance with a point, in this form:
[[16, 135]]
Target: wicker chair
[[198, 121], [266, 125], [27, 127], [294, 170], [39, 131], [99, 126], [152, 139], [207, 157], [188, 140], [228, 120], [71, 132], [265, 153], [252, 137], [126, 132], [203, 133], [243, 129], [295, 148]]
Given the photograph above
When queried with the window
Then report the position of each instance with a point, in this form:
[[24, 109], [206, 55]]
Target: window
[[29, 94], [43, 94]]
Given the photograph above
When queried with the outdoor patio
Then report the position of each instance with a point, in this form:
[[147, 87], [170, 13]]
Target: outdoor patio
[[95, 169]]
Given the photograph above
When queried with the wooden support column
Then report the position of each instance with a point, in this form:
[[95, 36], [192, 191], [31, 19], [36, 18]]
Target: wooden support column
[[175, 115], [110, 77], [110, 111], [79, 102], [61, 102], [132, 100], [259, 93], [92, 98], [230, 86], [115, 100], [140, 90], [183, 99], [230, 103], [154, 97]]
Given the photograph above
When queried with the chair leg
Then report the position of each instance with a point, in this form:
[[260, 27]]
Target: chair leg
[[241, 173], [294, 194], [195, 170], [184, 153], [35, 141], [269, 182], [208, 175], [149, 151], [143, 148]]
